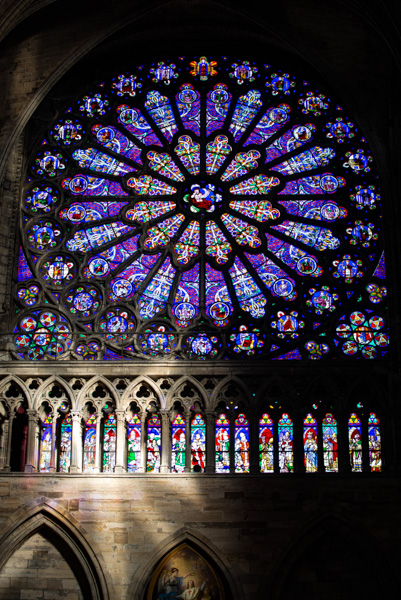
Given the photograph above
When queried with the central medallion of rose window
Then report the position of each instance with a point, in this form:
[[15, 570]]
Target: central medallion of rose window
[[203, 198]]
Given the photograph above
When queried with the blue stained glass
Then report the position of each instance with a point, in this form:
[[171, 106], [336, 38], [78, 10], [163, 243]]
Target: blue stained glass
[[188, 104], [110, 137], [292, 139], [94, 237], [248, 293], [266, 444], [46, 445], [315, 184], [293, 355], [106, 262], [355, 443], [186, 302], [217, 105], [109, 444], [311, 235], [128, 281], [155, 296], [241, 441], [24, 272], [99, 161], [277, 280], [271, 122], [375, 458], [178, 445], [306, 161], [86, 185], [160, 110], [218, 302], [380, 270], [330, 444], [198, 443], [134, 444], [134, 122], [285, 444], [222, 444], [84, 212], [310, 444], [153, 444], [298, 260], [65, 444], [245, 110], [90, 445], [318, 210]]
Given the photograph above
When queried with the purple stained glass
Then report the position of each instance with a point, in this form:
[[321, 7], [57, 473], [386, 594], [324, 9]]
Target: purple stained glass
[[202, 202]]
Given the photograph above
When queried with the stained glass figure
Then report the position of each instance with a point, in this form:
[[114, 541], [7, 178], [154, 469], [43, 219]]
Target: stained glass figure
[[134, 444], [266, 444], [222, 444], [46, 444], [330, 444], [64, 460], [202, 190], [241, 435], [178, 444], [310, 444], [285, 444], [375, 444], [198, 444], [90, 444], [109, 443], [355, 443], [153, 444]]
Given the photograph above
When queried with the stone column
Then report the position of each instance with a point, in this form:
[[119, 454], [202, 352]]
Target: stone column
[[210, 443], [344, 460], [98, 456], [121, 444], [76, 443], [7, 437], [53, 465], [165, 462], [31, 458], [188, 454], [231, 418], [253, 441], [142, 468]]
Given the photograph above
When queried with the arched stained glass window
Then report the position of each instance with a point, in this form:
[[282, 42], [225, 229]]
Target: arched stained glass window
[[198, 443], [153, 443], [90, 444], [285, 444], [134, 444], [330, 444], [355, 442], [266, 444], [178, 444], [65, 444], [310, 444], [46, 444], [109, 443], [241, 434], [222, 444], [375, 448], [154, 216]]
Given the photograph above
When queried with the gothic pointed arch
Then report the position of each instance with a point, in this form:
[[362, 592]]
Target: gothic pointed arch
[[56, 526], [197, 548]]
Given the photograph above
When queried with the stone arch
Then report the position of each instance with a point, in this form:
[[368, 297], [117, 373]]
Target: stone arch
[[331, 392], [100, 380], [59, 530], [20, 383], [204, 547], [126, 398], [341, 570], [189, 379], [229, 379], [275, 388], [39, 395]]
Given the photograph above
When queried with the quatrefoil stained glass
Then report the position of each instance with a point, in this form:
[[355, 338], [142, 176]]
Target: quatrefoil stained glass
[[203, 208]]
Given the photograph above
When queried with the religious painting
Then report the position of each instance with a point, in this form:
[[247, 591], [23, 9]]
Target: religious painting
[[186, 575]]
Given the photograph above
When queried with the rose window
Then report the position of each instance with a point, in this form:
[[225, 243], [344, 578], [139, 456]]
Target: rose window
[[201, 209]]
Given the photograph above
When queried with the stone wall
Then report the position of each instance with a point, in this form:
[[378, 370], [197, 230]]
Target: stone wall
[[266, 537]]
